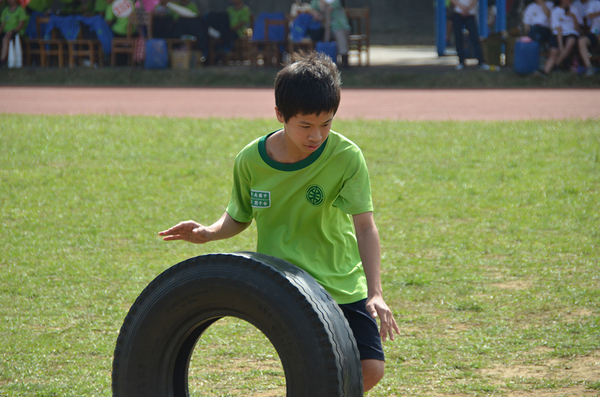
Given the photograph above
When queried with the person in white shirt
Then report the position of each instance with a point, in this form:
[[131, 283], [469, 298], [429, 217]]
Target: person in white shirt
[[536, 20], [566, 25], [592, 39], [464, 18], [581, 6]]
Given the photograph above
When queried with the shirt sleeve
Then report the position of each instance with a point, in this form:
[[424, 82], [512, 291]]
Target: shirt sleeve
[[527, 16], [578, 16], [240, 208], [355, 195], [556, 18]]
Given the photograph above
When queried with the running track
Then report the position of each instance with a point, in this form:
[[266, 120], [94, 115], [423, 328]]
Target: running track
[[395, 104]]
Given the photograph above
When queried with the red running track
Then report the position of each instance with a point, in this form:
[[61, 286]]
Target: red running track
[[394, 104]]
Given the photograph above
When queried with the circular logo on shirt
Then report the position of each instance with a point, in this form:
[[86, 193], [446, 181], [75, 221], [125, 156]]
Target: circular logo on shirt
[[315, 195]]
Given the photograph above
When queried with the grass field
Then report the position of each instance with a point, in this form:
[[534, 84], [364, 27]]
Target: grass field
[[491, 250]]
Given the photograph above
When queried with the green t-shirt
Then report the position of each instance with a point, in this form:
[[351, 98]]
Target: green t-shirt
[[11, 19], [190, 6], [237, 16], [100, 7], [70, 7], [303, 210], [120, 25], [39, 5]]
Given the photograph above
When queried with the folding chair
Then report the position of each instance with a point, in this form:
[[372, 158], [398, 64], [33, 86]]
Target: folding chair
[[359, 39], [126, 45], [81, 48], [52, 49]]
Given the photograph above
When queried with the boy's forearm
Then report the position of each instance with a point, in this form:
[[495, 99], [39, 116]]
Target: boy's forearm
[[369, 248], [226, 227], [545, 8]]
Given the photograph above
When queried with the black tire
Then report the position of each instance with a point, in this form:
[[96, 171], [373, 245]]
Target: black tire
[[307, 328]]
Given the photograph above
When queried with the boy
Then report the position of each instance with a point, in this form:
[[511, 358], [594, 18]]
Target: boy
[[303, 184], [12, 22], [240, 17]]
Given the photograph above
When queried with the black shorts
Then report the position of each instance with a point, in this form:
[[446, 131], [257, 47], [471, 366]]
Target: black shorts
[[554, 40], [365, 330]]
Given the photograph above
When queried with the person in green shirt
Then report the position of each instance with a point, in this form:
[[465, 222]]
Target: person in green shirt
[[240, 16], [308, 189], [100, 7], [71, 7], [12, 22], [117, 25], [41, 6]]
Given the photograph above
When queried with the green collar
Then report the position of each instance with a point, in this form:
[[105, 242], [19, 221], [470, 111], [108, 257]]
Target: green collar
[[262, 150]]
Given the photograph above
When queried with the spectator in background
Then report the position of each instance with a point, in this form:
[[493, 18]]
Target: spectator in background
[[39, 6], [566, 25], [340, 27], [12, 22], [536, 20], [117, 25], [240, 17], [100, 7], [581, 6], [71, 7], [464, 18], [592, 39]]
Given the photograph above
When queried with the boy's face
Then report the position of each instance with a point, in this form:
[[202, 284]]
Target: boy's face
[[305, 133]]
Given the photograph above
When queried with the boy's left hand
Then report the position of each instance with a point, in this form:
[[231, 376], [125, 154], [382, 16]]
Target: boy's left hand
[[377, 307]]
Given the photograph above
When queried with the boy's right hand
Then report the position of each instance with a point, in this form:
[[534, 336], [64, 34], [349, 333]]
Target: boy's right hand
[[190, 231]]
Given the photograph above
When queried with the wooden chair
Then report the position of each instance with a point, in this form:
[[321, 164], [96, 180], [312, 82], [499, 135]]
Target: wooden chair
[[33, 47], [53, 49], [304, 45], [241, 53], [81, 48], [172, 43], [270, 50], [359, 39], [48, 51], [126, 45]]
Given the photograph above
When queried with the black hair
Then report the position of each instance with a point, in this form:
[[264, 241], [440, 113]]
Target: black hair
[[310, 84]]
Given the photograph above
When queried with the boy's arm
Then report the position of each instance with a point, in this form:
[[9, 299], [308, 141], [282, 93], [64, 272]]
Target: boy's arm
[[19, 27], [544, 6], [370, 254], [196, 233]]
